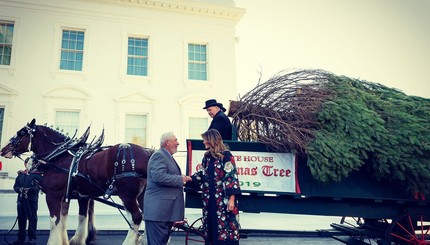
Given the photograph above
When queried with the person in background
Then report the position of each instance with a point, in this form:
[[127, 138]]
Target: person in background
[[217, 179], [164, 195], [27, 186], [220, 121]]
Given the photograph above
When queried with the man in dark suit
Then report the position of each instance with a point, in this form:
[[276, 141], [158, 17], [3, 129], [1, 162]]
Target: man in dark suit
[[220, 121], [27, 187], [164, 195]]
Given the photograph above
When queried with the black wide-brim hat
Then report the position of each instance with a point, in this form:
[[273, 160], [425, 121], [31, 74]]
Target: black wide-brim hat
[[213, 102]]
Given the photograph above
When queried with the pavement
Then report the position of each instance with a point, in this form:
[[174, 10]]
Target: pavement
[[112, 229], [257, 228], [113, 238], [110, 218]]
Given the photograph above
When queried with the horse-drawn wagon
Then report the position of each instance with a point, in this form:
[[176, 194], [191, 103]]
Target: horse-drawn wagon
[[360, 149], [385, 213]]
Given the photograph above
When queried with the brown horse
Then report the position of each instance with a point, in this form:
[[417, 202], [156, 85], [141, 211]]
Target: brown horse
[[75, 169]]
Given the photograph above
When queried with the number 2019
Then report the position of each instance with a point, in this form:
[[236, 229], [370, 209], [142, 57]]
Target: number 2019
[[250, 184]]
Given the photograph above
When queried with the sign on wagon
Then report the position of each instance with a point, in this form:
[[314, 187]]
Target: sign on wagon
[[260, 171]]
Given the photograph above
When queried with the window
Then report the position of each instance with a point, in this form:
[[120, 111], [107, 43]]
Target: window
[[67, 121], [197, 62], [135, 129], [1, 121], [72, 50], [6, 37], [137, 56], [197, 126]]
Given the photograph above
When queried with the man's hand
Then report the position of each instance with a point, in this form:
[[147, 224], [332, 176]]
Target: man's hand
[[186, 179]]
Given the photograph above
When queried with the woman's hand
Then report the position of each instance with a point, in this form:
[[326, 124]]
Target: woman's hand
[[230, 205]]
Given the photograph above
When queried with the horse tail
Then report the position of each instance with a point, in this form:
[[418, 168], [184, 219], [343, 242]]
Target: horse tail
[[141, 197]]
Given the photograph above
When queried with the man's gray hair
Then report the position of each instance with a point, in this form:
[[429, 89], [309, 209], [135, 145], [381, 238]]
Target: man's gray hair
[[165, 137]]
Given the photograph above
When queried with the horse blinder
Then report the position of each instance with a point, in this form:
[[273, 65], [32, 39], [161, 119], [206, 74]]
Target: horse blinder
[[20, 135]]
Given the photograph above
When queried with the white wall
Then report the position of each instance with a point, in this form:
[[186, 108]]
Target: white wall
[[33, 86]]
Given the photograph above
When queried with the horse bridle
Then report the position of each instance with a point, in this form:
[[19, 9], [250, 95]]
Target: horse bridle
[[27, 130]]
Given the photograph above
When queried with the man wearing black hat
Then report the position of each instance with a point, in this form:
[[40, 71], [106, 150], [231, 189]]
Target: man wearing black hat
[[220, 120]]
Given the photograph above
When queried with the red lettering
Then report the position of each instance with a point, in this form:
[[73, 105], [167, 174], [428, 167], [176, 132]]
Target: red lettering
[[246, 171], [268, 170], [255, 159]]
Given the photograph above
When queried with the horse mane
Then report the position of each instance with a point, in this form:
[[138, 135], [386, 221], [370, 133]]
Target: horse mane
[[55, 135]]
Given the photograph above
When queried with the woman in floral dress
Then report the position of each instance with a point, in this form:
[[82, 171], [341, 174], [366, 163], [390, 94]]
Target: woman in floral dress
[[218, 181]]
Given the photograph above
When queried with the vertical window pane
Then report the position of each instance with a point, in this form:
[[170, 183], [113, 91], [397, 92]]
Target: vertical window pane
[[68, 121], [6, 38], [136, 129], [197, 126], [197, 62], [72, 50], [137, 56]]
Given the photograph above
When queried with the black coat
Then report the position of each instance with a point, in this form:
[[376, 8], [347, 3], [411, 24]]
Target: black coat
[[222, 123], [27, 185]]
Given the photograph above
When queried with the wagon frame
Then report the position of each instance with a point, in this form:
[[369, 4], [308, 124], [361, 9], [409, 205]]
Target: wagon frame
[[384, 212]]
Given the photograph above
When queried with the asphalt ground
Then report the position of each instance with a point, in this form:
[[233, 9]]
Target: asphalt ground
[[248, 238], [258, 228]]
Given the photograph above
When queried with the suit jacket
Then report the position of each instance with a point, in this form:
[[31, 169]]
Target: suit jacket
[[164, 194], [221, 123]]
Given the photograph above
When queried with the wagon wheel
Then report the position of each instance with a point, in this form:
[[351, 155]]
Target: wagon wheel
[[409, 229], [195, 232]]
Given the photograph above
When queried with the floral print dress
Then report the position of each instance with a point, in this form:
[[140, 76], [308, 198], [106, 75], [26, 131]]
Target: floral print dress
[[218, 180]]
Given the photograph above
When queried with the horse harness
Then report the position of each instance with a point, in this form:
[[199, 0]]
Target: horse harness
[[73, 171], [88, 149], [122, 148]]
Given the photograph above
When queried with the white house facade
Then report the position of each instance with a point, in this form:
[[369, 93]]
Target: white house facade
[[134, 68]]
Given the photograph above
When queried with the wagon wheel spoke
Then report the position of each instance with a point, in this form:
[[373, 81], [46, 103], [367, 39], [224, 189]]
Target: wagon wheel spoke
[[410, 229]]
